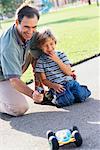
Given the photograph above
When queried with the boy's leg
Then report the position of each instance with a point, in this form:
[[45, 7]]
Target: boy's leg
[[11, 101], [80, 92], [65, 98]]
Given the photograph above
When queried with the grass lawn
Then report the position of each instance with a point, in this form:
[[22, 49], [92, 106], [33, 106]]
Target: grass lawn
[[76, 29]]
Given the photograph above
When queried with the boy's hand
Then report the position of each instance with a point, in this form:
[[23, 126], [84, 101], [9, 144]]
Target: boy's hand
[[73, 74], [54, 57], [58, 87]]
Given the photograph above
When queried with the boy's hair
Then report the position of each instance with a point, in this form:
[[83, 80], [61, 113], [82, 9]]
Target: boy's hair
[[27, 11], [40, 38]]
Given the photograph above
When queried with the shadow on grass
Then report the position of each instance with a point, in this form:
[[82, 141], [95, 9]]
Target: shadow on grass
[[68, 20], [84, 115]]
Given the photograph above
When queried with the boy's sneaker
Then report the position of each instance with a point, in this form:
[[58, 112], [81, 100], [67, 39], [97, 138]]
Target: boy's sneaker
[[49, 99]]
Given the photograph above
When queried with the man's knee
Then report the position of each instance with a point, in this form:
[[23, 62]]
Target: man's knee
[[14, 110], [18, 111]]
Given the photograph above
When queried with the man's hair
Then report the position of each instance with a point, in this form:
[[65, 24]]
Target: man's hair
[[27, 11]]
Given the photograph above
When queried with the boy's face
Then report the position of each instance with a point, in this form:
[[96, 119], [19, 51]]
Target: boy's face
[[48, 46]]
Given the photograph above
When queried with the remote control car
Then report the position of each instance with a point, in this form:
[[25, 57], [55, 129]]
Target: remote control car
[[63, 137]]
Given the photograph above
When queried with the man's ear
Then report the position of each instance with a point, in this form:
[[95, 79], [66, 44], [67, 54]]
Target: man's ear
[[16, 22]]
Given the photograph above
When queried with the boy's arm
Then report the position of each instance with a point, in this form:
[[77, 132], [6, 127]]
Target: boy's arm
[[57, 87], [66, 68]]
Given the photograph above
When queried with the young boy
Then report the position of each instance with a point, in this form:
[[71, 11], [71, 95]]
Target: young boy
[[55, 72]]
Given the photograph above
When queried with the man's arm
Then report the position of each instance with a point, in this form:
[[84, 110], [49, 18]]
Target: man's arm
[[21, 87], [27, 62]]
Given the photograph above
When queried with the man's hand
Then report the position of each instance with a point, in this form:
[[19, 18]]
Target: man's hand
[[37, 97], [58, 87]]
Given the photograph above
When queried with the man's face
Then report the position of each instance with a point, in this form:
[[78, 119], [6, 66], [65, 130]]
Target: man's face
[[27, 27]]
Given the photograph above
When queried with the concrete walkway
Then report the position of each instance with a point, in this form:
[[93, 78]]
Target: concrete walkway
[[29, 131]]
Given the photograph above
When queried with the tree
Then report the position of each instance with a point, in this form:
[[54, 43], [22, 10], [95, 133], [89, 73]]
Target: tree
[[8, 7], [89, 1]]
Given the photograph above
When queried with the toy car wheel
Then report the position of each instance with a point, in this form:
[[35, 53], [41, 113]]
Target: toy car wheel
[[78, 139], [53, 143], [75, 128], [50, 133]]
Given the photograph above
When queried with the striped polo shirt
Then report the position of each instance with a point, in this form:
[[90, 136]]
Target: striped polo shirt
[[51, 69]]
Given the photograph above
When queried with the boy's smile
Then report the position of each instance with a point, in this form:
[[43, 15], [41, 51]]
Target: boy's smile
[[48, 46]]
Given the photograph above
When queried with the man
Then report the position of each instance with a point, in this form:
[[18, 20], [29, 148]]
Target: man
[[14, 49]]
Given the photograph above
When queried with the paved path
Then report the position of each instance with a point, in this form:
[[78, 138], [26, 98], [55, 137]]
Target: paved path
[[29, 131]]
